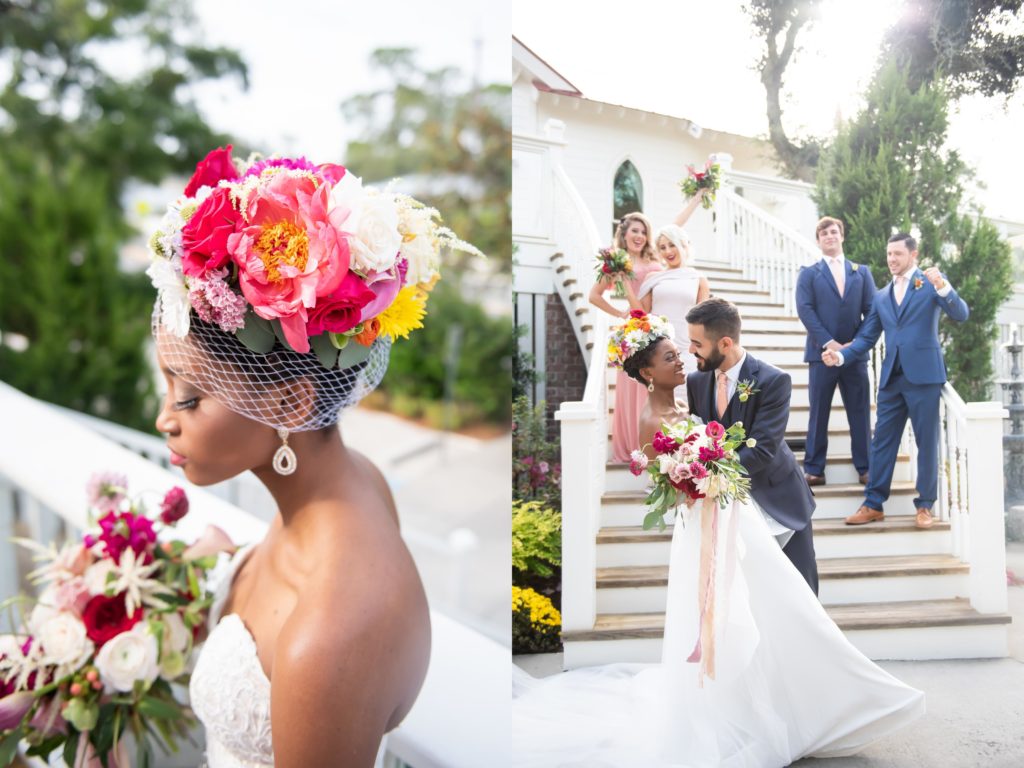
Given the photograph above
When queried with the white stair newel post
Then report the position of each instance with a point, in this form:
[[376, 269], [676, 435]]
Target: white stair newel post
[[987, 542]]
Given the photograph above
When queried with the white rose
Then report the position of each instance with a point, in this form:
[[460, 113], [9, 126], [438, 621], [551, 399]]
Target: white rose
[[174, 304], [372, 222], [176, 634], [64, 641], [418, 246], [96, 576], [128, 657], [665, 463]]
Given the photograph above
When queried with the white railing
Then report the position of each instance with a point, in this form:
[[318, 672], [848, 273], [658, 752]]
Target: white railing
[[576, 237], [46, 459], [971, 493], [764, 247], [584, 438]]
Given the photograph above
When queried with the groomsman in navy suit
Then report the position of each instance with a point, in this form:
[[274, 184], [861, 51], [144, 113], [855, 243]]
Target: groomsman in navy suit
[[832, 299], [913, 373]]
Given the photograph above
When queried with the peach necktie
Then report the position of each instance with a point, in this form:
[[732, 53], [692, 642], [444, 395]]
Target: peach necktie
[[900, 289], [837, 273], [723, 393]]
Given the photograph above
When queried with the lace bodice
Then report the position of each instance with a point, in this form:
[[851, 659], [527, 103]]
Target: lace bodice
[[230, 692]]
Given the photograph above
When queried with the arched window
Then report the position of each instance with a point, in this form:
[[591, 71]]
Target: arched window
[[627, 193]]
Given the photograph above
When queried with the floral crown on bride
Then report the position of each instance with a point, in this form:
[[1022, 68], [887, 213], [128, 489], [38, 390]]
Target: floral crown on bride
[[282, 250], [637, 333]]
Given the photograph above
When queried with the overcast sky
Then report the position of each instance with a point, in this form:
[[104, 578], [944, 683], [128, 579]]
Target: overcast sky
[[306, 56], [695, 59]]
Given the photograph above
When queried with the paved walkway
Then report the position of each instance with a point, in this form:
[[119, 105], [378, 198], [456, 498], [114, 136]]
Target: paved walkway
[[975, 707]]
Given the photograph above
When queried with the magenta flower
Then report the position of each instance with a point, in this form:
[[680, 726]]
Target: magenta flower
[[174, 506], [663, 444], [297, 164], [204, 239], [637, 462], [211, 169], [714, 453], [120, 531], [714, 430], [698, 471]]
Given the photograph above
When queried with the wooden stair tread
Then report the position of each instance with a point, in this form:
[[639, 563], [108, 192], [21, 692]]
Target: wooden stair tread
[[862, 616], [838, 489], [886, 566]]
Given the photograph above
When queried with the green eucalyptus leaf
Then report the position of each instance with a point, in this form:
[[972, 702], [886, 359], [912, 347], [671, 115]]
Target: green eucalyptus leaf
[[151, 706], [353, 354], [256, 334], [279, 333], [652, 519], [325, 350]]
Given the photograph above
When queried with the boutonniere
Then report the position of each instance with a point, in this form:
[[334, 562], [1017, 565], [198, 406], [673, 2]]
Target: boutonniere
[[918, 282], [855, 267], [746, 388]]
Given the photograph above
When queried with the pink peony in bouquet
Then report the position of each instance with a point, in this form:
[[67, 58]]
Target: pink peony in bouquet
[[710, 179], [110, 635], [694, 461]]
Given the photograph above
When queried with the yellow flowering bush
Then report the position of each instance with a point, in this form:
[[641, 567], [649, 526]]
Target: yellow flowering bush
[[536, 623]]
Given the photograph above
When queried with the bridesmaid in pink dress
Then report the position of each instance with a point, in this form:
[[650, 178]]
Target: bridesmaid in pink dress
[[633, 235]]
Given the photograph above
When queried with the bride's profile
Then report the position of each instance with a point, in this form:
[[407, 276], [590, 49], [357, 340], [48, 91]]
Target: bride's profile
[[282, 285], [754, 674]]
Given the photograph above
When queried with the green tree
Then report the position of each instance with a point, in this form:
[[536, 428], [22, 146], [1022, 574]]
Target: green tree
[[887, 170], [73, 135]]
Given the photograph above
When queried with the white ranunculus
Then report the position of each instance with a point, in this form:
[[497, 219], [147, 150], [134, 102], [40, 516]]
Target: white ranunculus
[[665, 463], [176, 634], [174, 304], [128, 657], [372, 222], [64, 641], [96, 576], [418, 247]]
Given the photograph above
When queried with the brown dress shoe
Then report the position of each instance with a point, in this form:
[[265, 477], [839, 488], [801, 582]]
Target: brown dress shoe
[[863, 478], [865, 515], [924, 518], [814, 479]]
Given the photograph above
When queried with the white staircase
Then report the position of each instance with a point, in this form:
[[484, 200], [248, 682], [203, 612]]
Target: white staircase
[[897, 592]]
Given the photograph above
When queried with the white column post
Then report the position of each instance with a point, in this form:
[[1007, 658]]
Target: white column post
[[987, 542], [581, 501]]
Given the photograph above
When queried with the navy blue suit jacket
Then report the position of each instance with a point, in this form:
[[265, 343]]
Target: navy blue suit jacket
[[911, 331], [776, 482], [825, 314]]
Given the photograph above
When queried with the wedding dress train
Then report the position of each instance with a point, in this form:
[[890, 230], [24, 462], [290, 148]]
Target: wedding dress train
[[787, 683]]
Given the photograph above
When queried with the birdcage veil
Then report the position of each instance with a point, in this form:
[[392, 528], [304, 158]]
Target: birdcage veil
[[255, 385]]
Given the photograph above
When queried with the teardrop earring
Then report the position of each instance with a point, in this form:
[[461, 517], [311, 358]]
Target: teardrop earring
[[285, 461], [650, 385]]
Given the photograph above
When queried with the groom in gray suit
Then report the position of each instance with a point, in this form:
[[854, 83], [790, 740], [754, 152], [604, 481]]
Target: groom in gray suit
[[731, 385]]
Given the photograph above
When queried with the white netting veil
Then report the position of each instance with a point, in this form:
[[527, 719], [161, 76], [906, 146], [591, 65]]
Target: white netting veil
[[281, 388]]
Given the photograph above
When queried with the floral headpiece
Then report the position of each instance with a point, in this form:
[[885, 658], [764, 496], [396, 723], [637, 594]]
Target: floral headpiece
[[638, 332], [284, 250]]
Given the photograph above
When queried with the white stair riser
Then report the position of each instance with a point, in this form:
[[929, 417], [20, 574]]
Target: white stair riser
[[751, 303], [844, 473], [633, 553], [772, 324], [623, 480], [892, 588], [911, 644], [861, 542], [899, 503], [800, 418], [631, 600], [782, 340], [777, 356]]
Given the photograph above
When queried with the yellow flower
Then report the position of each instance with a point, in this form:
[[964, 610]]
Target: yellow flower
[[405, 313], [542, 612]]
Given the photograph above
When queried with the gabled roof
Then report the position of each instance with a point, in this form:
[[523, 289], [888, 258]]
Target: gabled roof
[[544, 76]]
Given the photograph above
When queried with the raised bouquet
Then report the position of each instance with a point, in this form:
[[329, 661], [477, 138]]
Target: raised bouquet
[[694, 461], [109, 637], [614, 263], [710, 179]]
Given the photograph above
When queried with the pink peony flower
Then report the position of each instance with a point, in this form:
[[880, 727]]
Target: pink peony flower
[[340, 310], [714, 430], [211, 169], [204, 238], [290, 254], [663, 444], [174, 506]]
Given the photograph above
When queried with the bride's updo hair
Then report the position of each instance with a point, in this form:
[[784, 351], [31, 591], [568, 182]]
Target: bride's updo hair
[[678, 237], [620, 233], [641, 359]]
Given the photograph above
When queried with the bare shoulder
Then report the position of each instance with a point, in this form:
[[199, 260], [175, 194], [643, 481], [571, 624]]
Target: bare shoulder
[[371, 472]]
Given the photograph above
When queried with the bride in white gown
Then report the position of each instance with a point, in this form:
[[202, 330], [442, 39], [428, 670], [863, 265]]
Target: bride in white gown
[[786, 682]]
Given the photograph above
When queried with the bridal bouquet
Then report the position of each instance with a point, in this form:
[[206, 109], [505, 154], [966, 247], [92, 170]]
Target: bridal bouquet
[[113, 629], [696, 460], [614, 262], [710, 179]]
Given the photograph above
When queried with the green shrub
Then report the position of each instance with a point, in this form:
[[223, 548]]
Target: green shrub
[[536, 471], [536, 538]]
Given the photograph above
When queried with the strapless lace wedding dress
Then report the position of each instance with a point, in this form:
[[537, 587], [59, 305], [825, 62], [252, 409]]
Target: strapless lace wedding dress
[[230, 693]]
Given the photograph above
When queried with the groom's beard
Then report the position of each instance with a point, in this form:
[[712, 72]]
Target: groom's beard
[[711, 362]]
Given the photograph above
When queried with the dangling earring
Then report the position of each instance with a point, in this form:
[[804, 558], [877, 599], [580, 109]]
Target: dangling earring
[[650, 385], [284, 459]]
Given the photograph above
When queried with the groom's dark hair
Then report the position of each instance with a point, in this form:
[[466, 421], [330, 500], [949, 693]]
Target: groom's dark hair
[[903, 237], [719, 317]]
